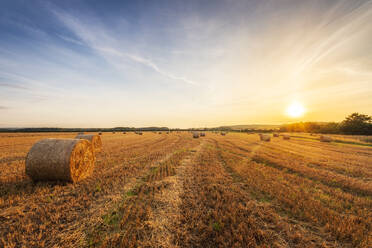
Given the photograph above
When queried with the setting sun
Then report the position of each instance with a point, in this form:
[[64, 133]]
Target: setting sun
[[295, 110]]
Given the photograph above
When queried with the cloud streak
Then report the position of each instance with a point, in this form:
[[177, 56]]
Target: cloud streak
[[99, 40], [146, 62], [13, 86]]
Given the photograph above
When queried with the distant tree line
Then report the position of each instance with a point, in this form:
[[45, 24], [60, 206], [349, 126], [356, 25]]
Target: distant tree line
[[357, 124], [57, 129]]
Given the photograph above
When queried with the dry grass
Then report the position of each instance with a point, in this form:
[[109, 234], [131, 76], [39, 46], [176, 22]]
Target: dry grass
[[176, 191]]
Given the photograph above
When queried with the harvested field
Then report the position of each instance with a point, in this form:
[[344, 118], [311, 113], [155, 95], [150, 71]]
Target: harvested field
[[176, 191]]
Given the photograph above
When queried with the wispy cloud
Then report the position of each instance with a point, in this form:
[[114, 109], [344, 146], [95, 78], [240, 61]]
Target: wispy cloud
[[17, 81], [156, 68], [3, 107], [143, 61], [12, 85], [348, 27], [69, 39], [98, 39]]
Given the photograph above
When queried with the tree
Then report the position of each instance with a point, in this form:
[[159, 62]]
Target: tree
[[357, 124], [331, 127]]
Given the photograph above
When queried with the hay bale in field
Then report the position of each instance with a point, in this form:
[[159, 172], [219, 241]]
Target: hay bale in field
[[95, 140], [124, 132], [325, 138], [275, 135], [195, 135], [139, 133], [223, 134], [159, 132], [286, 136], [113, 132], [100, 133], [265, 137], [202, 134], [60, 159], [80, 133], [167, 132]]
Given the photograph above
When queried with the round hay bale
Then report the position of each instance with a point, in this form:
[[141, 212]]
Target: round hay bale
[[95, 140], [202, 134], [325, 138], [275, 135], [195, 135], [100, 133], [60, 159], [265, 137], [223, 134], [286, 136]]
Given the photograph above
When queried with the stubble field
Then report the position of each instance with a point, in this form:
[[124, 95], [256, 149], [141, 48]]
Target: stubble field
[[170, 190]]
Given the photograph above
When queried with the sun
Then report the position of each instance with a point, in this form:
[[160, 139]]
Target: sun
[[295, 110]]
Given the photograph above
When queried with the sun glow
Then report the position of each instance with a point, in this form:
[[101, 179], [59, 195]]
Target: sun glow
[[295, 110]]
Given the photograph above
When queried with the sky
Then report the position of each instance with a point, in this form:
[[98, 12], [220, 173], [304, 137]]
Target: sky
[[182, 63]]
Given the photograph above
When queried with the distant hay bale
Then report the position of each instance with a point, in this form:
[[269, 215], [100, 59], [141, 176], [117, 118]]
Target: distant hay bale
[[223, 134], [265, 137], [139, 133], [195, 135], [113, 132], [80, 133], [124, 132], [167, 132], [286, 136], [100, 133], [60, 159], [159, 132], [325, 138], [275, 135], [202, 134], [95, 140]]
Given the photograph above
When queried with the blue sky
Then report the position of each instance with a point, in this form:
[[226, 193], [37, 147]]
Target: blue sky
[[182, 63]]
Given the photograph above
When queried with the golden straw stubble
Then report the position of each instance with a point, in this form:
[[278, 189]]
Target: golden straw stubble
[[60, 159], [94, 139], [325, 138]]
